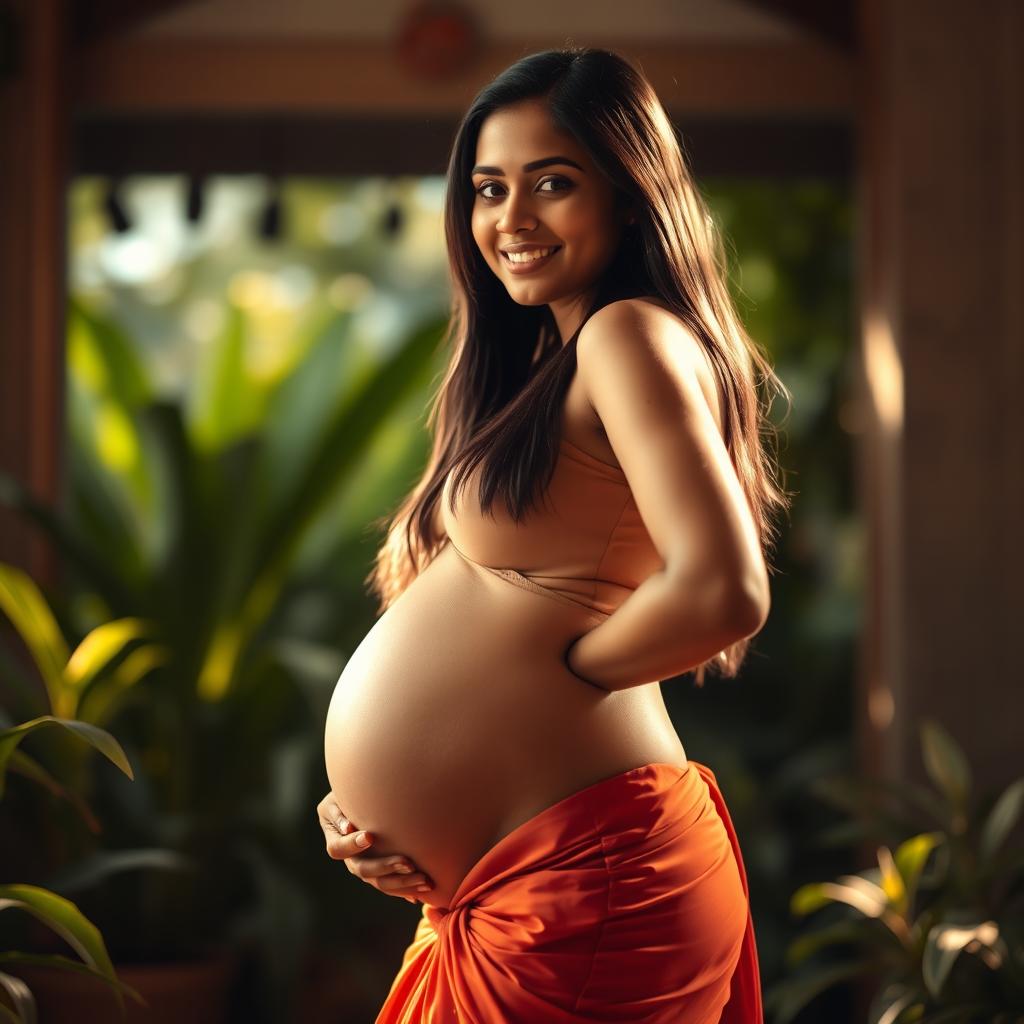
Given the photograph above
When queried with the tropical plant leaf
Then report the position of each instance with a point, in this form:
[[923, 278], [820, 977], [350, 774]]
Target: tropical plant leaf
[[256, 589], [21, 763], [111, 363], [226, 402], [967, 1013], [867, 797], [99, 738], [182, 597], [20, 994], [945, 763], [107, 385], [891, 881], [300, 403], [809, 897], [912, 855], [99, 866], [860, 893], [63, 917], [890, 1001], [65, 963], [105, 694], [856, 930], [68, 540], [1001, 820], [24, 604], [787, 998], [94, 653], [342, 440], [945, 942]]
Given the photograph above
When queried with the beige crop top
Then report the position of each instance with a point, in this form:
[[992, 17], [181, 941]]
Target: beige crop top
[[585, 543]]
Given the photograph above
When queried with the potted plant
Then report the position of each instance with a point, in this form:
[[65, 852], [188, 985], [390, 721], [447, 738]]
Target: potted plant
[[939, 922], [63, 672], [194, 522]]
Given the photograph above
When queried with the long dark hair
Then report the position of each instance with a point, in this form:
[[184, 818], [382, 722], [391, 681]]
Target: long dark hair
[[499, 404]]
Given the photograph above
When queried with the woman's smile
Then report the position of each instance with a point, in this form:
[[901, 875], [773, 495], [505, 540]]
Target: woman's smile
[[529, 262]]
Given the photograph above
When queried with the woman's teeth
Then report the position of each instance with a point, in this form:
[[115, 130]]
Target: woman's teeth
[[529, 257]]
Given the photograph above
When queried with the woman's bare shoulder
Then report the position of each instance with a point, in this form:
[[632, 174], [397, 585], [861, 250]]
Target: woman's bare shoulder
[[653, 318]]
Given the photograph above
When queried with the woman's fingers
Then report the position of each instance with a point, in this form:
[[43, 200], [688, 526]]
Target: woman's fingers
[[342, 840], [389, 874], [392, 874]]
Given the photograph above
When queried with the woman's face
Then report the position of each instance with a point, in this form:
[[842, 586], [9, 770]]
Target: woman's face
[[566, 204]]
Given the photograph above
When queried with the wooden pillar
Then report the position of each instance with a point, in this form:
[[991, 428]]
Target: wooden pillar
[[942, 332], [33, 178]]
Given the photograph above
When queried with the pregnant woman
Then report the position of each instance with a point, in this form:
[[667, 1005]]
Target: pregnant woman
[[594, 518]]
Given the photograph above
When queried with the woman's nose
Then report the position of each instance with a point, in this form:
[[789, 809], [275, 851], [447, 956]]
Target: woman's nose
[[516, 214]]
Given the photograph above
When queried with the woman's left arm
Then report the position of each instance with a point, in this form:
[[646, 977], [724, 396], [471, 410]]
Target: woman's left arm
[[639, 372]]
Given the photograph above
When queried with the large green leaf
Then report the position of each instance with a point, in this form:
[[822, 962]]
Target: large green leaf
[[946, 764], [107, 384], [24, 604], [24, 1011], [1001, 820], [912, 855], [63, 917], [111, 362], [970, 1012], [103, 512], [341, 443], [868, 796], [891, 881], [186, 581], [98, 648], [99, 866], [787, 998], [303, 400], [65, 963], [91, 560], [106, 694], [257, 552], [855, 930], [226, 402], [890, 1001], [99, 738], [946, 941], [21, 763]]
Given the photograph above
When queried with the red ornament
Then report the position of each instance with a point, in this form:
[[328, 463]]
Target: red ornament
[[436, 39]]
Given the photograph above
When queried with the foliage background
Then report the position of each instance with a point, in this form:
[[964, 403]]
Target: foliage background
[[262, 336]]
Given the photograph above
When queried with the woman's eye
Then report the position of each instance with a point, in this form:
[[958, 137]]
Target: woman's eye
[[564, 184]]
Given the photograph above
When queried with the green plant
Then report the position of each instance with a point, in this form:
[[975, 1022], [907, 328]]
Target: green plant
[[939, 921], [65, 675], [201, 521]]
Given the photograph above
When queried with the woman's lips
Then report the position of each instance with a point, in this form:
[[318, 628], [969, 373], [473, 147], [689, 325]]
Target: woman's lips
[[533, 265]]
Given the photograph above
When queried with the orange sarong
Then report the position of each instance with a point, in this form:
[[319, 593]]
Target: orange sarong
[[627, 901]]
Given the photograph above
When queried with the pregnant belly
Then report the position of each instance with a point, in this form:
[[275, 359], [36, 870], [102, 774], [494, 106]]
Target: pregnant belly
[[456, 720]]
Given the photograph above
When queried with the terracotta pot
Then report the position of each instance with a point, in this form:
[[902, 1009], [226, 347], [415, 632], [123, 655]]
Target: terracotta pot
[[196, 991]]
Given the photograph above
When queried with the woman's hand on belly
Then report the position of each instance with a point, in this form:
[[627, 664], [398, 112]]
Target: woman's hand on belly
[[393, 875]]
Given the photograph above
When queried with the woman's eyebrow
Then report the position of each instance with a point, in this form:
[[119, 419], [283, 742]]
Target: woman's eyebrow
[[534, 165]]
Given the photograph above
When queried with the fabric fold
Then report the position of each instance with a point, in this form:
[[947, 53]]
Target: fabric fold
[[627, 901]]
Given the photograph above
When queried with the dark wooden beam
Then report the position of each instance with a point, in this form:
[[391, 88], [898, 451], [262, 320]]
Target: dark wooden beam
[[34, 143], [93, 19], [320, 145], [342, 76], [834, 21]]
